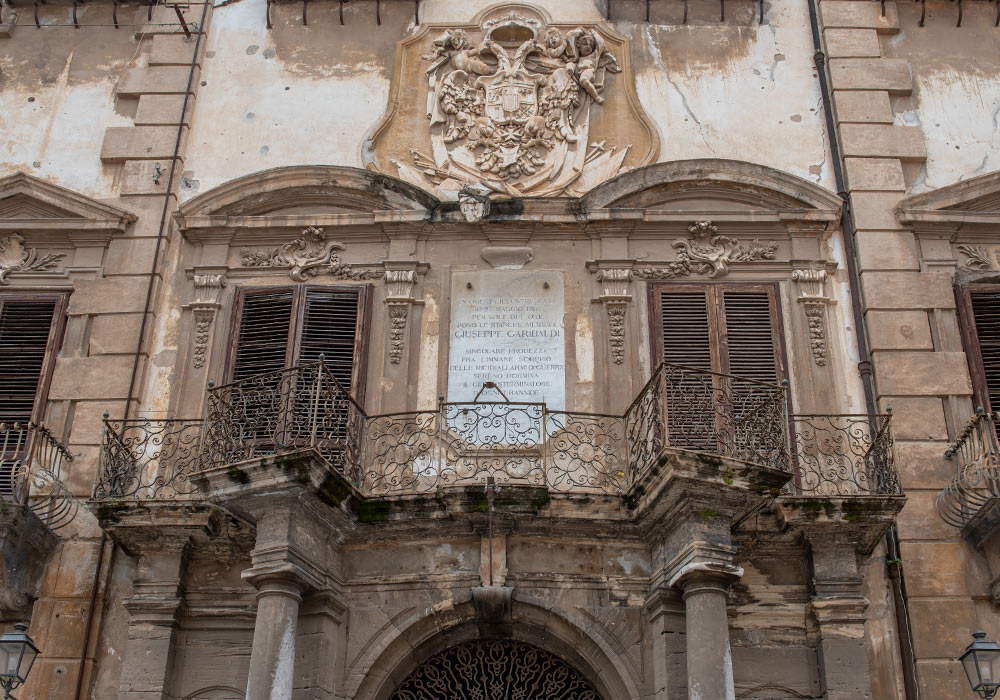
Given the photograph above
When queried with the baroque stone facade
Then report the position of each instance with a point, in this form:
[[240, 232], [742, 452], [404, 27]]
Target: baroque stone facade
[[389, 350]]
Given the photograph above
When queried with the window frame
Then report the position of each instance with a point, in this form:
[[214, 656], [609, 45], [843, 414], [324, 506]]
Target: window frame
[[362, 333], [970, 339], [718, 342], [57, 329]]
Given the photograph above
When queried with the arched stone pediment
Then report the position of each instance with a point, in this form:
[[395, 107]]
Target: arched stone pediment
[[711, 185], [966, 203], [314, 190]]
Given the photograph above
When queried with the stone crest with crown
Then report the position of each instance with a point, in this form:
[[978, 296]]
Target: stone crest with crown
[[515, 105]]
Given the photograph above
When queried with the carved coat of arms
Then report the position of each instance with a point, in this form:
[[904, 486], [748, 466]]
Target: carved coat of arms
[[513, 105]]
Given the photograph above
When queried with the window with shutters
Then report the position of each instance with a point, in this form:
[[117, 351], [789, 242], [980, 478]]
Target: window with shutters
[[29, 333], [283, 327], [728, 329], [979, 314], [30, 329]]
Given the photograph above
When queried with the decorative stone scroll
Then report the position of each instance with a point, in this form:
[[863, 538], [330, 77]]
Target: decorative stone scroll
[[16, 257], [979, 259], [708, 253], [615, 296], [209, 290], [398, 299], [309, 256], [814, 302]]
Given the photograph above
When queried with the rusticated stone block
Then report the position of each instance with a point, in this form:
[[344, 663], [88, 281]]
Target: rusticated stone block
[[850, 13], [927, 560], [906, 142], [147, 176], [172, 49], [941, 628], [115, 334], [874, 210], [887, 250], [880, 174], [922, 373], [908, 290], [123, 143], [899, 330], [102, 377], [892, 74], [158, 80], [922, 465], [919, 519], [868, 106], [852, 43], [917, 418], [88, 421], [110, 295], [942, 679], [163, 110]]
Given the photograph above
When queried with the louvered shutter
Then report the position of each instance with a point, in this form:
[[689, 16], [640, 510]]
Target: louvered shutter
[[685, 329], [329, 327], [262, 341], [750, 334], [25, 326], [986, 314]]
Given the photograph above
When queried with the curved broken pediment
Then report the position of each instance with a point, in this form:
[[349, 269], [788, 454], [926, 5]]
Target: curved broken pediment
[[712, 185], [312, 190]]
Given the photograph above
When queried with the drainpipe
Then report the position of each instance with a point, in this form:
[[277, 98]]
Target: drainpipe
[[166, 206], [897, 581]]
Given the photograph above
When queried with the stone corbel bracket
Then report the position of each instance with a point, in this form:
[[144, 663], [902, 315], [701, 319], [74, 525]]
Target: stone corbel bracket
[[398, 298], [207, 302], [615, 295], [812, 296]]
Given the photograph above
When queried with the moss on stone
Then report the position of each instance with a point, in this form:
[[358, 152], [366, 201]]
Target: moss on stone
[[333, 491], [110, 512], [238, 476], [370, 511]]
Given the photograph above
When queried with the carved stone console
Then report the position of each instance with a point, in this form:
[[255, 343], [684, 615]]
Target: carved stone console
[[811, 284], [398, 298], [615, 295]]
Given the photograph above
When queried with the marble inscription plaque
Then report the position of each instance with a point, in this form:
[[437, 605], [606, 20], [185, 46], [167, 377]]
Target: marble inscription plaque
[[507, 328]]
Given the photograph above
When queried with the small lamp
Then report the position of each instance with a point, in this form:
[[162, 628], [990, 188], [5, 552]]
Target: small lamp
[[17, 654], [981, 661]]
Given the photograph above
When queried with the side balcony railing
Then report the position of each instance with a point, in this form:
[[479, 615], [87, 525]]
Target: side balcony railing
[[31, 460], [976, 453], [680, 408]]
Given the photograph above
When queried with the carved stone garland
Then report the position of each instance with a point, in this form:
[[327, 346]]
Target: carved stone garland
[[814, 302], [209, 290], [708, 253], [16, 257], [615, 296], [399, 299], [310, 255]]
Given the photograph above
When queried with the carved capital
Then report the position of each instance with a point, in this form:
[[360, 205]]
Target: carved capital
[[615, 283], [812, 284]]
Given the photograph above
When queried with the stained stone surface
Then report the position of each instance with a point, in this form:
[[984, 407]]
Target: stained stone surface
[[507, 328]]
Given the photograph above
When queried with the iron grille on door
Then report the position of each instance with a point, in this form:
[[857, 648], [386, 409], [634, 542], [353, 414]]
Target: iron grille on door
[[729, 329]]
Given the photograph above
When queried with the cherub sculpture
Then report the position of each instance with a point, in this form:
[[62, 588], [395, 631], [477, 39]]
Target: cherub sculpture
[[588, 59]]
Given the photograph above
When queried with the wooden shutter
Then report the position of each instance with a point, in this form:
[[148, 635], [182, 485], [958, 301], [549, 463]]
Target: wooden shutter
[[330, 328], [981, 321], [685, 329], [26, 329], [264, 333], [749, 335]]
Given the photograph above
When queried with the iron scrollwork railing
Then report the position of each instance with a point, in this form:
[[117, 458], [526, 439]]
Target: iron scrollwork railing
[[976, 452], [843, 455], [680, 408], [708, 413], [31, 460], [149, 459]]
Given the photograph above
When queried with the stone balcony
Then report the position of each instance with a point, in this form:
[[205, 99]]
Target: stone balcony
[[728, 424]]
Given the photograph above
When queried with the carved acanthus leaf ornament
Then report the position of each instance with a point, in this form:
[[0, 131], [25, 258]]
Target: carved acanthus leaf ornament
[[310, 255], [16, 257], [708, 253], [979, 259]]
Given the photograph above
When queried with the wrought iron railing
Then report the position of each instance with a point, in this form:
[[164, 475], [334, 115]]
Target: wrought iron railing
[[149, 459], [843, 455], [680, 409], [709, 413], [31, 460], [977, 479]]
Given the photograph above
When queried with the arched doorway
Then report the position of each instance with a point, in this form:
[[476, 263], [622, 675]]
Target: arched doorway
[[495, 670]]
